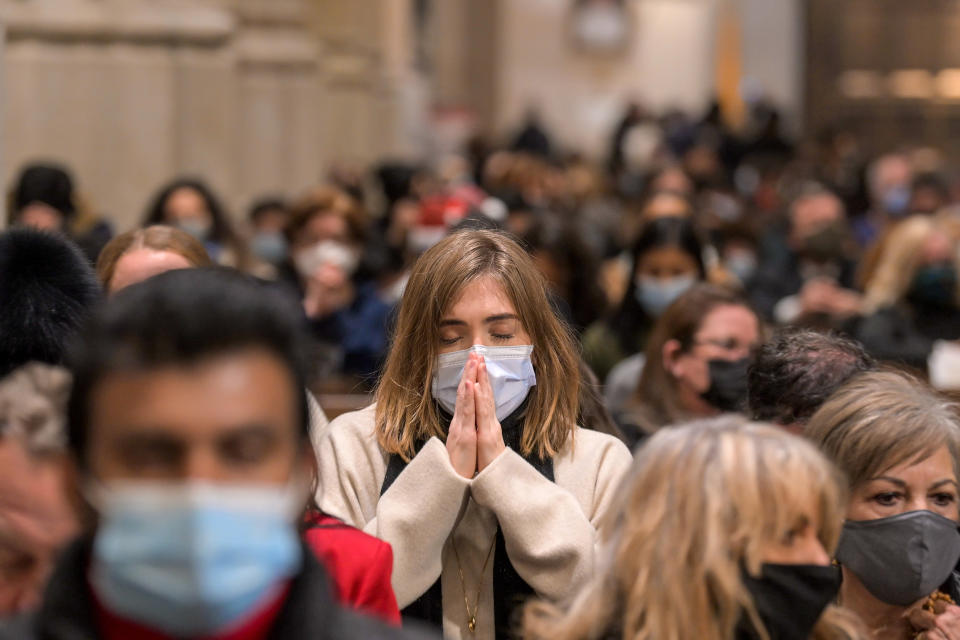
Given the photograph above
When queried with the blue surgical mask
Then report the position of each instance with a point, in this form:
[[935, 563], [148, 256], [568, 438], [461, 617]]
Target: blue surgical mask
[[656, 294], [269, 246], [509, 369], [199, 228], [192, 559], [742, 264], [896, 200]]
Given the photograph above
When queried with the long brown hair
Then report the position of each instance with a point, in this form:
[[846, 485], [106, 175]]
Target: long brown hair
[[158, 238], [406, 412], [657, 394]]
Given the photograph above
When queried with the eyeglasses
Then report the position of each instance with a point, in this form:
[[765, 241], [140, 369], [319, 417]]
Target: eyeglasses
[[729, 344]]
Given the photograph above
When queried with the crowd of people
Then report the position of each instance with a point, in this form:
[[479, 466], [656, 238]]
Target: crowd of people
[[698, 390]]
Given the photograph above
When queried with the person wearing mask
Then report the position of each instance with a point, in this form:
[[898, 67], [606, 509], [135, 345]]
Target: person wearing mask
[[141, 253], [47, 289], [696, 361], [268, 219], [189, 431], [37, 516], [794, 373], [913, 297], [889, 180], [898, 444], [667, 259], [722, 530], [807, 277], [348, 317], [470, 462], [191, 206]]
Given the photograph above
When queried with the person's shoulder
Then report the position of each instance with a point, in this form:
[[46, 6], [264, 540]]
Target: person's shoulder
[[20, 627], [355, 424], [589, 446], [328, 535]]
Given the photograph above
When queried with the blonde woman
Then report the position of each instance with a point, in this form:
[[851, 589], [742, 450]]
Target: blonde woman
[[898, 444], [471, 463], [913, 296], [723, 529]]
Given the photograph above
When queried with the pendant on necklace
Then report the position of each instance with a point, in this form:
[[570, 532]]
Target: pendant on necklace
[[472, 624]]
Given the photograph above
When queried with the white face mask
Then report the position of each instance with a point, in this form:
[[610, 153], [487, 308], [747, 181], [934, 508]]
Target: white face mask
[[509, 369], [331, 252]]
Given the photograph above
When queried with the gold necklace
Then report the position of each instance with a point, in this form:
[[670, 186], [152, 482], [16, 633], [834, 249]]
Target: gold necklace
[[472, 617]]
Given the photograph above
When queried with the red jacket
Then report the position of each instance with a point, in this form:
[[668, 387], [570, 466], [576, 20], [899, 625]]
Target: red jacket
[[359, 564]]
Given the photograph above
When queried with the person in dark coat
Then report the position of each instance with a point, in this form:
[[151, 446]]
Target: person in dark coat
[[189, 429]]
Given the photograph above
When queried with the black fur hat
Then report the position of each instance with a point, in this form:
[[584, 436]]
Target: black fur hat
[[47, 288]]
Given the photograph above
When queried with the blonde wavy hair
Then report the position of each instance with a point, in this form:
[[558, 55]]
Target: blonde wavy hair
[[899, 259], [698, 507], [406, 412]]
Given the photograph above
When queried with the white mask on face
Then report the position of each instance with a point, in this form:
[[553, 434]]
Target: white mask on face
[[331, 252], [509, 369]]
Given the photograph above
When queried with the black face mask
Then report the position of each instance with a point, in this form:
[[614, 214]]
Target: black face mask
[[789, 598], [728, 384]]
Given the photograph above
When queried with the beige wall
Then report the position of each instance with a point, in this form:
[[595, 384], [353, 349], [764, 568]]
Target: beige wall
[[258, 96]]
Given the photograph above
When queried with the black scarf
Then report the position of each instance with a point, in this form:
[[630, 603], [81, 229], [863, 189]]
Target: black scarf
[[509, 589]]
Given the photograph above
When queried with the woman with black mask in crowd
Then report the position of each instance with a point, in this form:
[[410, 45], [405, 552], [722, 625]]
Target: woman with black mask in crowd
[[898, 444], [696, 361], [722, 531]]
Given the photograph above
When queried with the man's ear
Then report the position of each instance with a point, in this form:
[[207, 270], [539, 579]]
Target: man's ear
[[671, 358]]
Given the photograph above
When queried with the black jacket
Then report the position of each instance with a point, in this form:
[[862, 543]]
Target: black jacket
[[309, 612]]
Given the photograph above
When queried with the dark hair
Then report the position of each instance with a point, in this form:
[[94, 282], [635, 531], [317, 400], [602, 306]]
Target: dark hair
[[47, 288], [47, 183], [222, 230], [182, 317], [793, 374], [659, 233], [262, 206]]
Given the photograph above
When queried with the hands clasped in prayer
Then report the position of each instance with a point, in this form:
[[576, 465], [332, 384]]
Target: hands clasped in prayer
[[475, 438]]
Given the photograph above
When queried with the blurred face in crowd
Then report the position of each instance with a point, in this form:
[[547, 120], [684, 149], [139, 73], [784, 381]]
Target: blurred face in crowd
[[801, 544], [324, 226], [38, 215], [36, 520], [812, 215], [666, 263], [272, 220], [140, 264], [666, 205], [187, 209], [481, 315], [728, 332], [673, 180], [228, 418], [929, 484]]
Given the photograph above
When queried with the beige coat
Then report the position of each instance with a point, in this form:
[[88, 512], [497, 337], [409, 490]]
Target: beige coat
[[549, 528]]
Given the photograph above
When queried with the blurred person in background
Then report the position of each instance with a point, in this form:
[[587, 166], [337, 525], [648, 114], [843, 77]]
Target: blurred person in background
[[190, 205], [696, 361], [722, 530], [889, 179], [47, 289], [470, 462], [666, 260], [189, 431], [38, 514], [571, 270], [913, 296], [796, 371], [268, 218], [348, 316], [142, 253], [897, 443], [806, 275], [44, 198], [929, 193]]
